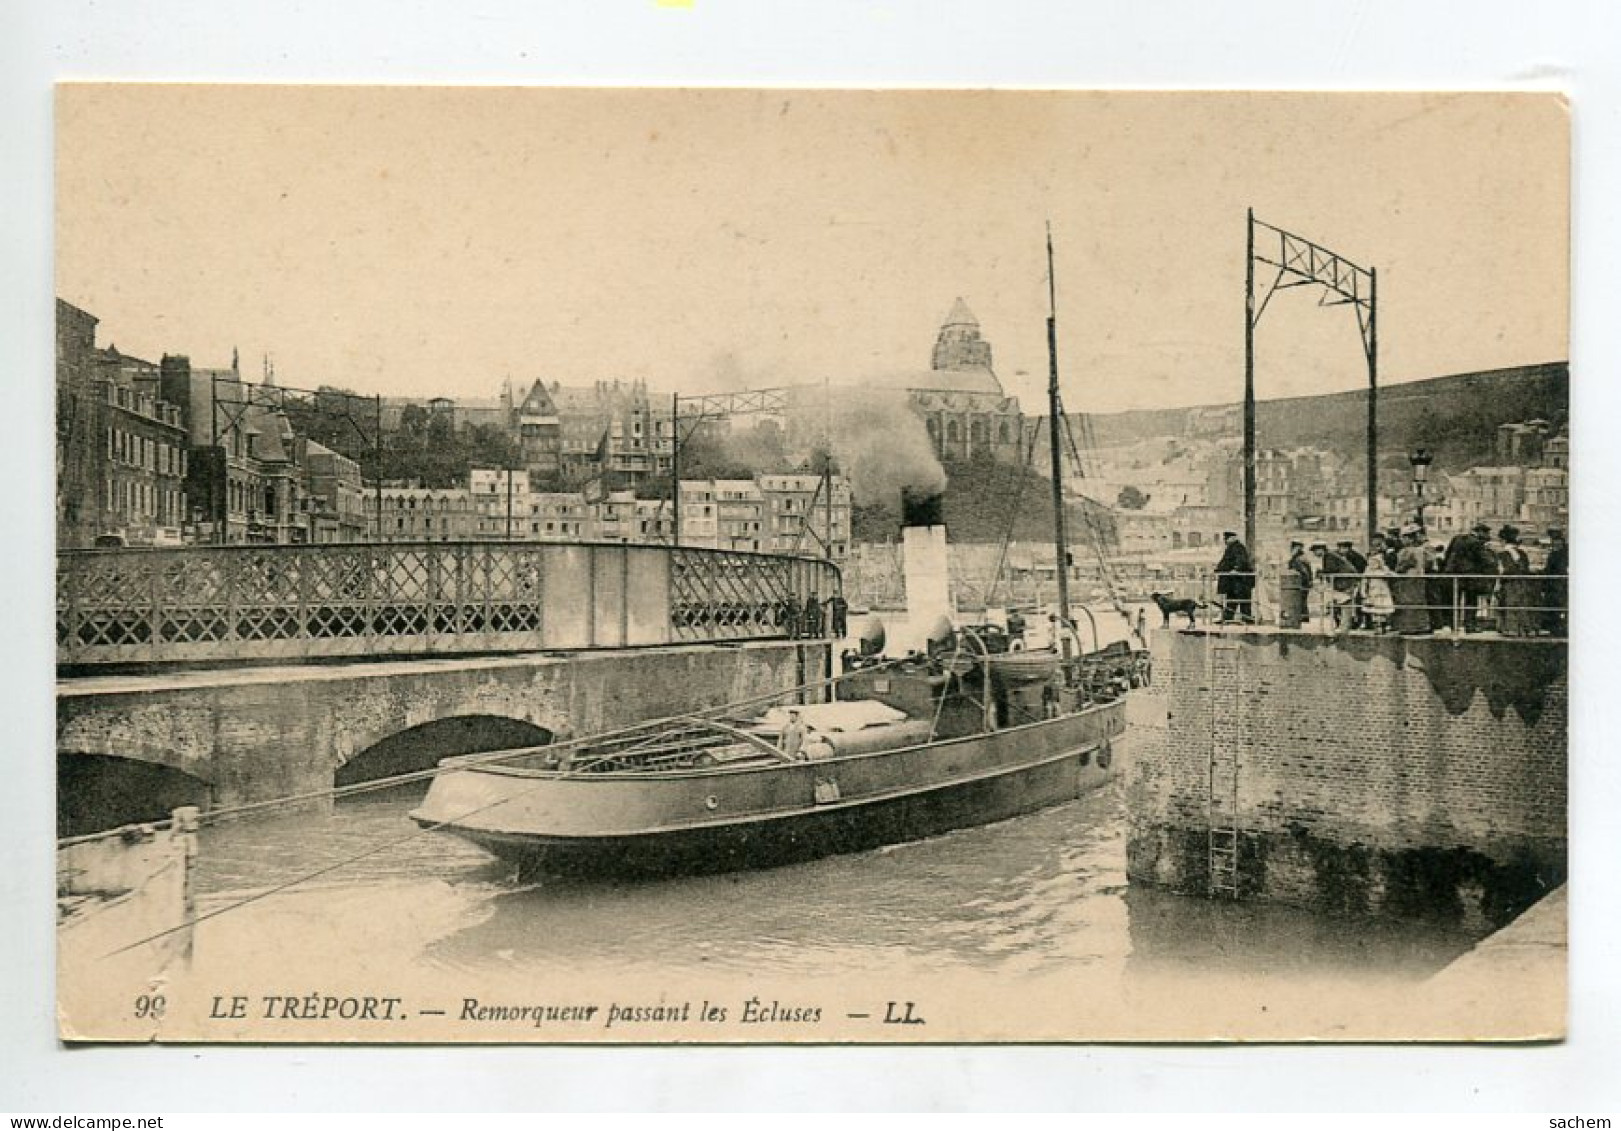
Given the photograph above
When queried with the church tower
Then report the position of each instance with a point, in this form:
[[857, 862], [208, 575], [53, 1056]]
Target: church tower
[[959, 345]]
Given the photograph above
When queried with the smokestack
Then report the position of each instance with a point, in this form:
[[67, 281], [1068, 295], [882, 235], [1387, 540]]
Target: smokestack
[[920, 507], [927, 560]]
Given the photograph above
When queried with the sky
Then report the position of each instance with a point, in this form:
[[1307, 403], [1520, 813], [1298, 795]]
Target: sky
[[436, 240]]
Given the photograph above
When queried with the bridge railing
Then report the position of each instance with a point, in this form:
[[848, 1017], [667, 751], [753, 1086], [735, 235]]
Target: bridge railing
[[224, 604]]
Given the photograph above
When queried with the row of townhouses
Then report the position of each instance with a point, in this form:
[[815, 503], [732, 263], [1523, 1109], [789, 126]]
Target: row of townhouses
[[770, 513], [1174, 494], [165, 453]]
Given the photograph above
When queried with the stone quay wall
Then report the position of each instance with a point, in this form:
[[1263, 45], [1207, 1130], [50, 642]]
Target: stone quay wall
[[1367, 775]]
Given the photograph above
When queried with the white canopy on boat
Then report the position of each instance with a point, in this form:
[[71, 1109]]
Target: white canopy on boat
[[833, 718]]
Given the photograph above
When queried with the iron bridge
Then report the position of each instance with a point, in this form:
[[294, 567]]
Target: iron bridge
[[232, 604]]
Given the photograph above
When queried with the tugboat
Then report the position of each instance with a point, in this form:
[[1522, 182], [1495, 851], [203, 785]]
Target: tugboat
[[961, 734]]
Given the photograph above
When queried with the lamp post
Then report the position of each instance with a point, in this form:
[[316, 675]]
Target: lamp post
[[1421, 460]]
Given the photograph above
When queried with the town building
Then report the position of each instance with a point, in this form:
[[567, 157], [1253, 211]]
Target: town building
[[1556, 451], [1492, 495], [617, 518], [539, 432], [501, 500], [798, 517], [1146, 531], [561, 516], [144, 474], [335, 505], [121, 448], [1547, 500], [739, 514], [245, 481], [655, 521], [1523, 442], [79, 448], [425, 514]]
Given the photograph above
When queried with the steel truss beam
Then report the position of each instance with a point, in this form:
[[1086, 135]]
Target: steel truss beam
[[1298, 262]]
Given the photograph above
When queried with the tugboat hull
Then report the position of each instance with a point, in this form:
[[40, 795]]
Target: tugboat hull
[[725, 819]]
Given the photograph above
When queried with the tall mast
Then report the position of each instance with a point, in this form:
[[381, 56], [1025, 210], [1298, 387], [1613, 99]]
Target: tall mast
[[1054, 422]]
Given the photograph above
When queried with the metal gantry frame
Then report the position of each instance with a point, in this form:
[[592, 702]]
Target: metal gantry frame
[[705, 407], [276, 398], [1299, 262]]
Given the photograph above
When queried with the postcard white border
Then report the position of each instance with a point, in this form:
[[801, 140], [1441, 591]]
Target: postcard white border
[[1492, 44]]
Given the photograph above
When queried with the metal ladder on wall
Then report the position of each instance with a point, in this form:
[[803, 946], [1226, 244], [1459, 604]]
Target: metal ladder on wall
[[1225, 736]]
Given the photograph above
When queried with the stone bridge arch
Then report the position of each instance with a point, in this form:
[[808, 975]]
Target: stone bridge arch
[[423, 746], [159, 733], [96, 791], [386, 728]]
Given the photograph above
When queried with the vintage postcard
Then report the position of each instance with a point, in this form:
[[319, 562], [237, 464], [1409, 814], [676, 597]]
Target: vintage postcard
[[723, 565]]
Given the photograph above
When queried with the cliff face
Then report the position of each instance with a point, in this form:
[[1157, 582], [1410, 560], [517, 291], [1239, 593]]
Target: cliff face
[[1456, 417]]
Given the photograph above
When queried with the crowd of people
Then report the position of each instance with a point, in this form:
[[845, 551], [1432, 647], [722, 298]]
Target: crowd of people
[[811, 619], [1404, 583]]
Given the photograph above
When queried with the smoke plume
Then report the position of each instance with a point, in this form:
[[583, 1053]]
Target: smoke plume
[[879, 444]]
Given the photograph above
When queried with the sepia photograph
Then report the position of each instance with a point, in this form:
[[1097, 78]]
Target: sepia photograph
[[810, 566]]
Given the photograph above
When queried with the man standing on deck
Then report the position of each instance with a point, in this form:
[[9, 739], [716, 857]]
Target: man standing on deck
[[793, 735], [1235, 581], [1015, 628]]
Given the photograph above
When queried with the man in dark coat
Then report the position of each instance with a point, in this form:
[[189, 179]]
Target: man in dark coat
[[1471, 562], [1300, 565], [1235, 581], [810, 620], [1394, 541], [1347, 550], [1557, 590], [839, 614], [1359, 564], [1333, 566]]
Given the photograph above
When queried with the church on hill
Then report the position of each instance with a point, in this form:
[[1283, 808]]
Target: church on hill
[[962, 404]]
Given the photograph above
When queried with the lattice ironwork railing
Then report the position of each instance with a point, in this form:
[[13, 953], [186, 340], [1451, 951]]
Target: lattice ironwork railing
[[243, 603], [716, 595]]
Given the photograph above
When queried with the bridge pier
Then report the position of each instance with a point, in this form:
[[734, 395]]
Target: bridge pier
[[261, 733]]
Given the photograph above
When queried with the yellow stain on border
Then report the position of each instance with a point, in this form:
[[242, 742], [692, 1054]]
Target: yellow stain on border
[[674, 3]]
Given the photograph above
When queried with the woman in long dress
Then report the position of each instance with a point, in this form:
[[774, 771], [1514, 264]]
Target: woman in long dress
[[1409, 589], [1514, 593], [1377, 601]]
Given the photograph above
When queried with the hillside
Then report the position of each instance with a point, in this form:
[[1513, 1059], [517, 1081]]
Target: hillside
[[1456, 417], [991, 502]]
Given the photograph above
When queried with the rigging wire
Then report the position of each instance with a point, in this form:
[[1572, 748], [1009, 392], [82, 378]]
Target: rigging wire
[[1013, 518], [1105, 566], [500, 755]]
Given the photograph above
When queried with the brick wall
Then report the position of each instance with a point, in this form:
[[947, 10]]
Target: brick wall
[[1412, 777]]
